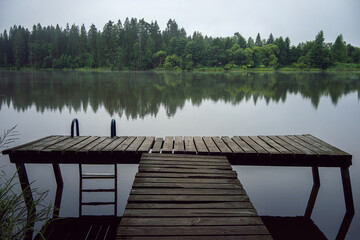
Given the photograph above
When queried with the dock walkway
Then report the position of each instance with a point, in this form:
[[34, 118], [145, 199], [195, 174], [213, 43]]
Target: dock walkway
[[189, 197], [285, 150]]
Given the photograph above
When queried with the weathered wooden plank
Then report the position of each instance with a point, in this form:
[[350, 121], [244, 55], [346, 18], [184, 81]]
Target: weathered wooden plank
[[92, 145], [335, 150], [168, 145], [74, 142], [275, 145], [32, 145], [264, 145], [176, 157], [193, 230], [186, 180], [143, 168], [183, 175], [147, 144], [37, 147], [60, 145], [186, 185], [205, 205], [191, 221], [296, 145], [234, 237], [328, 149], [201, 212], [314, 149], [186, 166], [183, 156], [125, 144], [259, 149], [200, 145], [286, 145], [192, 163], [189, 145], [232, 145], [134, 146], [157, 146], [221, 145], [99, 147], [186, 198], [213, 149], [80, 145], [179, 145], [243, 145], [114, 144], [185, 191]]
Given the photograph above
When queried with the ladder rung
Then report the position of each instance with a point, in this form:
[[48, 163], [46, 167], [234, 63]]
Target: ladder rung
[[98, 203], [98, 190], [97, 175]]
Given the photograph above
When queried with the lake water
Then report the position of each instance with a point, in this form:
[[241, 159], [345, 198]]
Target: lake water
[[326, 105]]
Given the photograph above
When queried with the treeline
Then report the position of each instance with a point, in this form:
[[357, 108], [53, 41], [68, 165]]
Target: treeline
[[139, 45]]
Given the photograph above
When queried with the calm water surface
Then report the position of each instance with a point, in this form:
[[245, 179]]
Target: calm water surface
[[327, 105]]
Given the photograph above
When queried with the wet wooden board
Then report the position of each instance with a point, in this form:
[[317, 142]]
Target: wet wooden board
[[200, 145], [157, 145], [221, 145], [189, 145], [147, 144], [168, 145], [190, 201], [179, 145], [280, 150], [134, 146]]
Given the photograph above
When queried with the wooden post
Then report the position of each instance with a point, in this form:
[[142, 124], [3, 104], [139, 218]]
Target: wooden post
[[314, 192], [29, 200], [58, 176], [349, 203]]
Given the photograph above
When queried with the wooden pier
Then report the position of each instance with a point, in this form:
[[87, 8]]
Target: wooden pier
[[289, 150], [189, 197], [177, 196]]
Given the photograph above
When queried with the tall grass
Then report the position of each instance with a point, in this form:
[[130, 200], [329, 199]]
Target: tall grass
[[15, 220]]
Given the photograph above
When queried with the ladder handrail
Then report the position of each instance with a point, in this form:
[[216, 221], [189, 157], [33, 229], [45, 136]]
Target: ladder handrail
[[113, 128], [75, 121]]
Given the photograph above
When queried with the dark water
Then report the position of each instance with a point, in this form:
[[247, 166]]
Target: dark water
[[159, 104]]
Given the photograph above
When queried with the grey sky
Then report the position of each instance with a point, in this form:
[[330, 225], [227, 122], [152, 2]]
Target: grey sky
[[299, 20]]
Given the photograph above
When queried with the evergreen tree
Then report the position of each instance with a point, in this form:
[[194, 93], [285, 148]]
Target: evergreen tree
[[258, 41], [338, 50], [270, 40], [250, 43]]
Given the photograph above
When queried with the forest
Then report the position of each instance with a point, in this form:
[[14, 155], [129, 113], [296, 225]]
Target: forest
[[139, 45]]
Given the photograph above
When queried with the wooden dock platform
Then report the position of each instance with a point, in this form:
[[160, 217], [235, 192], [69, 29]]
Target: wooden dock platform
[[188, 186], [284, 150], [189, 197]]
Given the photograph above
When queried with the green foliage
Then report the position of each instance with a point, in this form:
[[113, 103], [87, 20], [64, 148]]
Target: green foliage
[[136, 44], [15, 220], [172, 61], [338, 50]]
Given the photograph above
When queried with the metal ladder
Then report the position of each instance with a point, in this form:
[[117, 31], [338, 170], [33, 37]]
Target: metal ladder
[[88, 176], [85, 176]]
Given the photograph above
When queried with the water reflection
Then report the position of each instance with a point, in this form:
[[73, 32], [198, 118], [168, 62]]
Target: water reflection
[[138, 94]]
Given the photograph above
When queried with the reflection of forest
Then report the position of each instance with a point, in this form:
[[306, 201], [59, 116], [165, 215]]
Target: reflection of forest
[[137, 94]]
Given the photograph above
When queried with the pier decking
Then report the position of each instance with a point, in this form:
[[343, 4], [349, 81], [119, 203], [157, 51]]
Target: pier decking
[[289, 150], [189, 187], [189, 197]]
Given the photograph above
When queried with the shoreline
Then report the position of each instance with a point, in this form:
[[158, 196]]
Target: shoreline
[[196, 70]]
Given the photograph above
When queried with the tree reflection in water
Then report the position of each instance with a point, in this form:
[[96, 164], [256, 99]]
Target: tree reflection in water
[[138, 94]]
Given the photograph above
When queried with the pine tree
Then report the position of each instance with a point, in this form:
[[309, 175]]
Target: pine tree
[[338, 50]]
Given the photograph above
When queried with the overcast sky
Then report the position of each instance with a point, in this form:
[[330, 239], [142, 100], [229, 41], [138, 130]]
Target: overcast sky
[[299, 20]]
